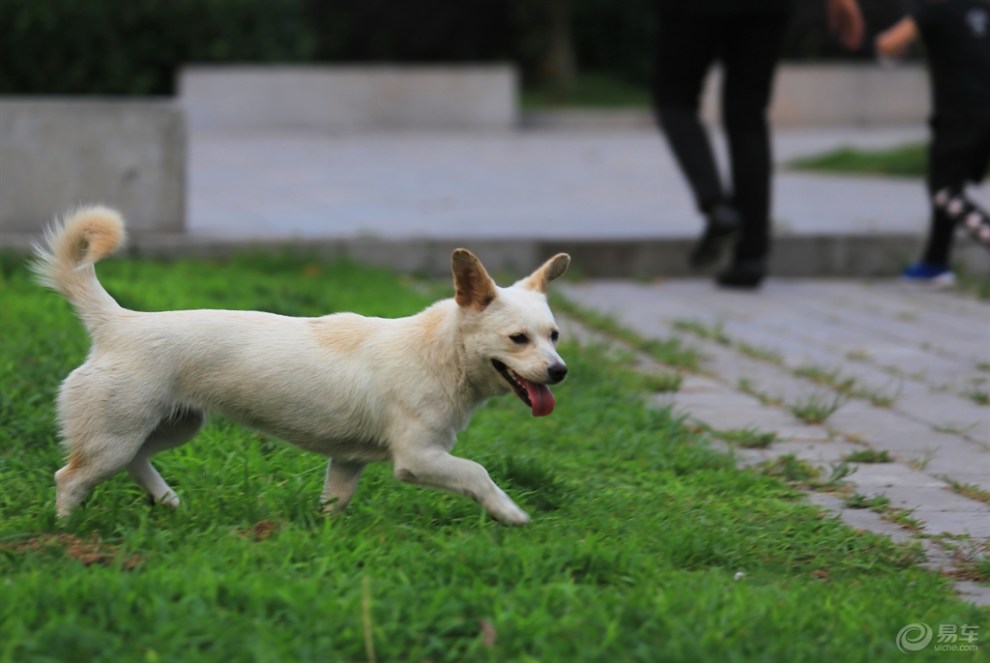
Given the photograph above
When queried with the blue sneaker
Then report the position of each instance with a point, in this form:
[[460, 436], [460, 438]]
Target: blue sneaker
[[935, 274]]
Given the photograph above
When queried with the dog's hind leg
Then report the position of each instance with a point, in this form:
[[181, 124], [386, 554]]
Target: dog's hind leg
[[91, 460], [172, 432], [105, 420], [340, 484]]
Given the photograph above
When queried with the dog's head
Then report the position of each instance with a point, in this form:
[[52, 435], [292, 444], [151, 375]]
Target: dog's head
[[510, 332]]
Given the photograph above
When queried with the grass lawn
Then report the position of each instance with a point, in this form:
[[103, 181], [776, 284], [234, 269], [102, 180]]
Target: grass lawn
[[639, 527], [903, 161]]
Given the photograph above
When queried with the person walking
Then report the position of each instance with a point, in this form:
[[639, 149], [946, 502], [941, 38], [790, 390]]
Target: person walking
[[746, 39], [956, 34]]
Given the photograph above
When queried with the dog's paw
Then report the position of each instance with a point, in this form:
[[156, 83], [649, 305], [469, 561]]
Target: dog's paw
[[510, 514], [333, 506], [169, 499]]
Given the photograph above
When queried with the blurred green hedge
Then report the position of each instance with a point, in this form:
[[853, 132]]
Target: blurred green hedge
[[135, 47]]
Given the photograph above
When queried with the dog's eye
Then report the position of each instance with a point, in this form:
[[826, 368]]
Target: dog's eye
[[519, 339], [554, 335]]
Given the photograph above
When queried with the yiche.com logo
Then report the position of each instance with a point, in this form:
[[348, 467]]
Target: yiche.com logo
[[914, 637]]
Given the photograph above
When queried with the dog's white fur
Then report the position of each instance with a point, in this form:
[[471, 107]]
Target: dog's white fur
[[353, 388]]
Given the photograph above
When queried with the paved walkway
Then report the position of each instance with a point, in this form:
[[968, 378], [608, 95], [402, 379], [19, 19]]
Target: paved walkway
[[907, 369], [614, 198], [544, 184]]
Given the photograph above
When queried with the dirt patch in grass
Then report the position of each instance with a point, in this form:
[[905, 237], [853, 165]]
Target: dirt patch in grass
[[261, 530], [87, 552]]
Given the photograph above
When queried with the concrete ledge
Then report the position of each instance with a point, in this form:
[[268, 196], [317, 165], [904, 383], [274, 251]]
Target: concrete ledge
[[793, 256], [345, 99], [58, 153], [582, 119], [804, 96], [817, 95], [880, 256]]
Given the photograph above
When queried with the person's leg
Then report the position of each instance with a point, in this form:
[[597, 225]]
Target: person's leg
[[685, 50], [980, 163], [750, 55], [972, 217], [949, 164], [959, 149]]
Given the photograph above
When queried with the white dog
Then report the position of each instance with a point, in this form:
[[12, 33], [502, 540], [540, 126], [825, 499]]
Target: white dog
[[353, 388]]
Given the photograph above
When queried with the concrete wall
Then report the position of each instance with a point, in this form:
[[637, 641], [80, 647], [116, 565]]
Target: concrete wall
[[59, 153], [821, 95], [349, 98], [804, 96]]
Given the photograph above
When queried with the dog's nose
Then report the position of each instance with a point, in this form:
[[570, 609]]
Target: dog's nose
[[557, 372]]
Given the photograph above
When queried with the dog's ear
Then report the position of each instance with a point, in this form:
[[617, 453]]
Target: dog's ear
[[547, 272], [473, 287]]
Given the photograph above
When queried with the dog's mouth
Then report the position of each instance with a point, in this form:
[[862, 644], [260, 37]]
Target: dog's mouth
[[537, 396]]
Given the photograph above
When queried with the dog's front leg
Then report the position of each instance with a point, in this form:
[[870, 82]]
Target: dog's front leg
[[438, 469], [339, 485]]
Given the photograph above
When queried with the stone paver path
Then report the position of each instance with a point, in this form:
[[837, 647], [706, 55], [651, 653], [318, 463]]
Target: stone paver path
[[906, 369]]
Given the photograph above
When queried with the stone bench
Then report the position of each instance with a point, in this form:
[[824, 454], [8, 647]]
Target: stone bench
[[349, 98], [59, 153]]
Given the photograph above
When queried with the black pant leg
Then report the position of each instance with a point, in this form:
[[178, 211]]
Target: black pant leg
[[957, 152], [941, 227], [750, 55], [685, 48]]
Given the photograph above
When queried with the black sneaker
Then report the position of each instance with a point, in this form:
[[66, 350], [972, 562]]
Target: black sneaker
[[723, 223], [744, 274]]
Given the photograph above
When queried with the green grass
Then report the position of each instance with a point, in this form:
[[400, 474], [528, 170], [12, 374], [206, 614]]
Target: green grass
[[768, 355], [978, 396], [712, 332], [904, 161], [746, 386], [816, 408], [748, 438], [846, 386], [716, 333], [829, 377], [970, 490], [973, 285], [791, 468], [878, 502], [869, 456], [669, 351], [662, 382], [638, 531]]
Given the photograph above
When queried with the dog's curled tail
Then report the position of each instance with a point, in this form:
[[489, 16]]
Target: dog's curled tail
[[65, 258]]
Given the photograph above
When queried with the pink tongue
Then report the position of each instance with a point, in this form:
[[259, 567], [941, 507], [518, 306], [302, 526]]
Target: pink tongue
[[540, 397]]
